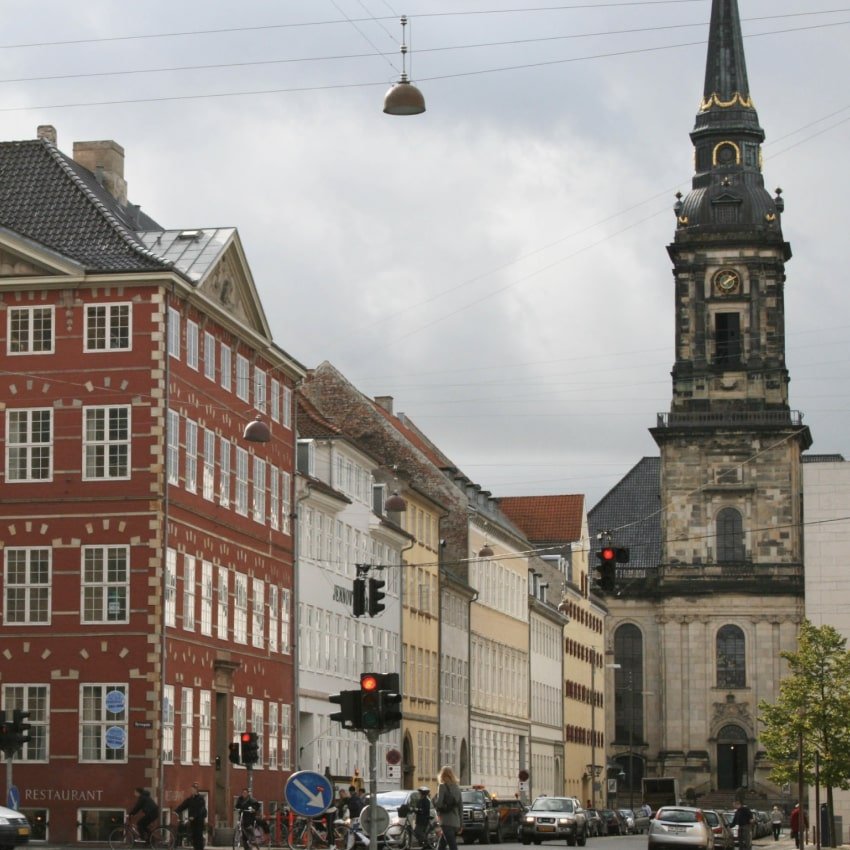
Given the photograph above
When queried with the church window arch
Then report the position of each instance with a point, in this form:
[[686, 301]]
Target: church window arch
[[730, 536], [628, 684], [730, 657]]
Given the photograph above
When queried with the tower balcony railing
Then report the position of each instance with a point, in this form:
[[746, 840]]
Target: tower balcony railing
[[714, 418]]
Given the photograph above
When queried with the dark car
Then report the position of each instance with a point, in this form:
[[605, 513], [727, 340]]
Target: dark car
[[614, 823], [14, 828], [596, 825], [553, 819], [480, 815]]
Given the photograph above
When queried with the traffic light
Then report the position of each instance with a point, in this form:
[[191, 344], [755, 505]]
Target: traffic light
[[358, 604], [390, 689], [607, 568], [349, 713], [376, 596], [370, 703], [234, 753], [249, 752], [5, 733], [22, 729]]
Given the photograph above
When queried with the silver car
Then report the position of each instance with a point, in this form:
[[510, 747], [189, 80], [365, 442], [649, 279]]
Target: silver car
[[680, 827], [553, 819]]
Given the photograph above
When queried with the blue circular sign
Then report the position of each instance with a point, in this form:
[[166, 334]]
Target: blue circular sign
[[115, 738], [308, 793]]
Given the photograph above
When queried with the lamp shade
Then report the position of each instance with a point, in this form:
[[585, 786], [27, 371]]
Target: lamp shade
[[486, 551], [257, 431], [396, 503], [404, 99]]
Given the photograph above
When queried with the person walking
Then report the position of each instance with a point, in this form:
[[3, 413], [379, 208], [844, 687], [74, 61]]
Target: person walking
[[799, 824], [449, 806], [422, 814], [743, 819], [196, 810], [776, 818], [356, 801], [149, 809]]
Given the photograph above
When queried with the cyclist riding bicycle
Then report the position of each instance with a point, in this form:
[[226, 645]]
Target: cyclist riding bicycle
[[149, 809]]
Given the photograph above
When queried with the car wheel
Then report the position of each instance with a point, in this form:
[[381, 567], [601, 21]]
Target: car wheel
[[500, 835], [582, 839], [484, 838], [526, 841]]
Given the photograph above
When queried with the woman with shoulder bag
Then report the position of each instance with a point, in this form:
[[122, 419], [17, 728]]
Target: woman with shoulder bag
[[449, 806]]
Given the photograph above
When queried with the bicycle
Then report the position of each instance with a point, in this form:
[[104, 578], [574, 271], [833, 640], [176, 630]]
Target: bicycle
[[403, 836], [127, 836], [248, 834], [317, 833]]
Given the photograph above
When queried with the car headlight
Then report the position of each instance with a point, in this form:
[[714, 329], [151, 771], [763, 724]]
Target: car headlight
[[4, 821], [529, 819], [563, 821]]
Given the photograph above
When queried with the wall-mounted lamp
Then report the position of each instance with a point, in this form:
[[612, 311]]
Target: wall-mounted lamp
[[256, 431], [404, 98], [486, 551]]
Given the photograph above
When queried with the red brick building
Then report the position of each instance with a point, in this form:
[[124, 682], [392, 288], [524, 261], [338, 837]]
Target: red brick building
[[147, 547]]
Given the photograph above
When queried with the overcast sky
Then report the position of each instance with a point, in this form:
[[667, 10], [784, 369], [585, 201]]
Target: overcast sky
[[498, 264]]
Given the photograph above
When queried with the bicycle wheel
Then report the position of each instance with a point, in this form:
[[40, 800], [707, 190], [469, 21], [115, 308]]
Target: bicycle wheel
[[396, 837], [432, 837], [340, 836], [298, 837], [162, 838], [121, 837]]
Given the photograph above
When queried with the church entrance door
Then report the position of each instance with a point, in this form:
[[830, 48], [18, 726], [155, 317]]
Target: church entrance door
[[732, 759]]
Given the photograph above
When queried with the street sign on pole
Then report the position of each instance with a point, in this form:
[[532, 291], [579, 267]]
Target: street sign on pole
[[308, 793], [375, 827], [13, 798]]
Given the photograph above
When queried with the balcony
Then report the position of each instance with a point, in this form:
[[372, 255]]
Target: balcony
[[731, 418]]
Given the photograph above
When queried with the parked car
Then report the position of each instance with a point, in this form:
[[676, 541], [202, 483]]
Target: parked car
[[392, 801], [14, 828], [723, 838], [614, 823], [761, 824], [480, 815], [680, 826], [596, 825], [555, 818], [636, 821]]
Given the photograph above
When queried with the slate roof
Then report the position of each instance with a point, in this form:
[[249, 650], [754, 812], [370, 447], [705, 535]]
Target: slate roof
[[546, 519], [631, 510], [311, 423], [49, 199]]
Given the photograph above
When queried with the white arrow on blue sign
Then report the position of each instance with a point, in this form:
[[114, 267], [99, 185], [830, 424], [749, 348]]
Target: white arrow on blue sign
[[308, 793], [13, 798]]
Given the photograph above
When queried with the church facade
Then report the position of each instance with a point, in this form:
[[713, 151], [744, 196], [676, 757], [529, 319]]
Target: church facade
[[713, 589]]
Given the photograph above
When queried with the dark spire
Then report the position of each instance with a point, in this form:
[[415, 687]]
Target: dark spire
[[728, 187]]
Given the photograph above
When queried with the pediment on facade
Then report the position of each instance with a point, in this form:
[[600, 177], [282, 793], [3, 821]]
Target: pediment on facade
[[23, 258], [229, 284]]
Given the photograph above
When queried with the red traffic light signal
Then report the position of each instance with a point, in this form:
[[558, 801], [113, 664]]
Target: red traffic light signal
[[608, 554], [249, 750], [369, 682]]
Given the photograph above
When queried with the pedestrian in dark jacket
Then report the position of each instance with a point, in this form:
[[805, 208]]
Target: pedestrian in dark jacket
[[196, 810], [423, 814], [149, 809]]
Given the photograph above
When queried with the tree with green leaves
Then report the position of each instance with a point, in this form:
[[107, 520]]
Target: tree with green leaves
[[810, 721]]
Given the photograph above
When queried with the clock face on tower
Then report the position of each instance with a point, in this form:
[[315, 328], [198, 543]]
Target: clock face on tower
[[727, 282]]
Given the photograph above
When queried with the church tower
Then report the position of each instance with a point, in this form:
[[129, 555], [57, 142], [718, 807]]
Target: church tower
[[698, 635]]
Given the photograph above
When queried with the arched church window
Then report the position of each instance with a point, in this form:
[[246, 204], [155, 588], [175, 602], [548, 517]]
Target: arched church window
[[628, 685], [730, 536], [731, 662]]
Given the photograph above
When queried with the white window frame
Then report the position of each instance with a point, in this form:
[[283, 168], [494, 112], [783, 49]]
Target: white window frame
[[35, 699], [259, 491], [189, 593], [285, 736], [224, 474], [209, 356], [208, 485], [243, 388], [204, 726], [274, 496], [103, 710], [206, 598], [105, 584], [115, 315], [274, 400], [172, 449], [171, 587], [17, 313], [192, 337], [168, 724], [190, 479], [98, 450], [34, 592], [285, 503], [286, 408], [174, 332], [261, 383], [240, 608], [272, 736], [226, 360], [258, 614], [257, 725], [285, 618], [274, 618], [223, 603], [187, 724], [241, 494], [30, 447]]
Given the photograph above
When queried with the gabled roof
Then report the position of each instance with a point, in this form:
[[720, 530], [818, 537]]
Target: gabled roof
[[546, 519], [631, 511], [49, 199]]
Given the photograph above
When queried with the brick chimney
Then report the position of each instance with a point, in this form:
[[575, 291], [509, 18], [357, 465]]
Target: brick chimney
[[46, 131], [106, 161], [385, 401]]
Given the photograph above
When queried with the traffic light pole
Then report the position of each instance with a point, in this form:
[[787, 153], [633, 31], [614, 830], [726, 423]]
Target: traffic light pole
[[372, 738]]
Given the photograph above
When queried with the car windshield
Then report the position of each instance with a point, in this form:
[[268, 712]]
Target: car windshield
[[677, 816], [711, 818], [552, 804], [728, 817], [627, 813], [472, 796], [392, 799]]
